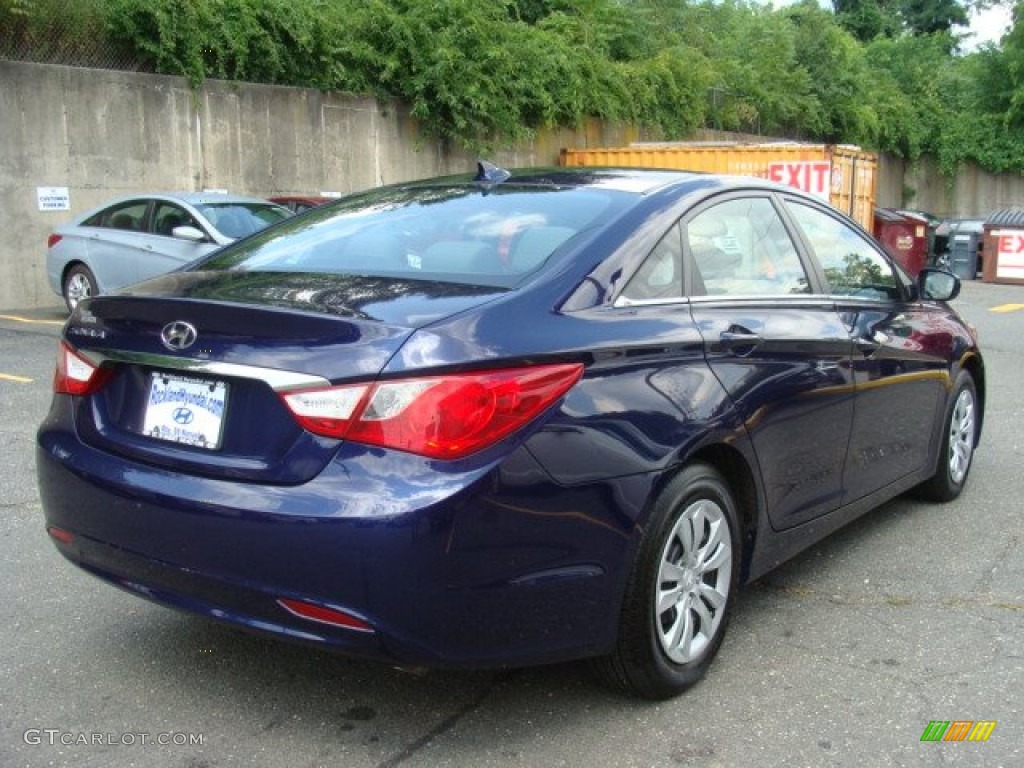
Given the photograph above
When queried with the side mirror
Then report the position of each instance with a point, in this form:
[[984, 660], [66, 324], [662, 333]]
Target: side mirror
[[938, 285], [188, 233]]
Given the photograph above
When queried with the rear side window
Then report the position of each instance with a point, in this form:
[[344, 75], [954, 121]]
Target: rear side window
[[130, 216], [852, 265], [452, 233], [661, 274]]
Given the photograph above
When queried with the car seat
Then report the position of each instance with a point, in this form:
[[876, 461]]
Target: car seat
[[165, 226], [534, 245]]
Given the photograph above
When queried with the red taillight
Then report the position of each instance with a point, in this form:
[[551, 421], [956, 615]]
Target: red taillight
[[53, 239], [324, 615], [443, 417], [75, 375]]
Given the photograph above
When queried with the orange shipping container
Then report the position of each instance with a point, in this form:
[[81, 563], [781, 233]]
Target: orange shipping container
[[843, 175]]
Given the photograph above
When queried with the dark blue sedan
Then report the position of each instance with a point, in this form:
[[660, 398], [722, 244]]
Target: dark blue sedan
[[506, 419]]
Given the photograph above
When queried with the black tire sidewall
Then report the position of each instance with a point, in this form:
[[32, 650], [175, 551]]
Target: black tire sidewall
[[942, 487], [652, 673]]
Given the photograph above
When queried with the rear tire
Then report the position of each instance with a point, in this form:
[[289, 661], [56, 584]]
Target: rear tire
[[960, 435], [680, 594], [79, 284]]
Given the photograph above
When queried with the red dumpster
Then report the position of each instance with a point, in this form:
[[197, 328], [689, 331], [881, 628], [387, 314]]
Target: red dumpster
[[904, 236]]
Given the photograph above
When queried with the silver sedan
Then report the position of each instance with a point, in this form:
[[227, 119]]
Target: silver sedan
[[134, 238]]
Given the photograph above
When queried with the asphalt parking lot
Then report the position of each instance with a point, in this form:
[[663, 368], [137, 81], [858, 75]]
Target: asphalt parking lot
[[842, 657]]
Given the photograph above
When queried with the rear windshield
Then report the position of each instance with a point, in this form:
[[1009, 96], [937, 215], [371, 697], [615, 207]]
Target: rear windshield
[[460, 234]]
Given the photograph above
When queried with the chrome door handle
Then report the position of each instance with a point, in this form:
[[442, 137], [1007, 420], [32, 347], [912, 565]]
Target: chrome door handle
[[739, 341]]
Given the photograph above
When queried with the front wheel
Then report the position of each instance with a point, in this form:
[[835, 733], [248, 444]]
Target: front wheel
[[679, 596], [959, 440]]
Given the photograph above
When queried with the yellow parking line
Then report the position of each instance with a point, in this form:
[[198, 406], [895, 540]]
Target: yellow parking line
[[1007, 308], [18, 318], [12, 377]]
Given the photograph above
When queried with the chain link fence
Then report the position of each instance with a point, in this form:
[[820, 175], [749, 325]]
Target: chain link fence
[[69, 32]]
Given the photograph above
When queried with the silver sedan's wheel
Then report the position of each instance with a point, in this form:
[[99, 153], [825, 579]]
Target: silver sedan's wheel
[[961, 436], [78, 288], [79, 284], [693, 581], [679, 592]]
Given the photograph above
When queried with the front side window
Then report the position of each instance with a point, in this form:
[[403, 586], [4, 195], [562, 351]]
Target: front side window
[[167, 216], [741, 248], [852, 265]]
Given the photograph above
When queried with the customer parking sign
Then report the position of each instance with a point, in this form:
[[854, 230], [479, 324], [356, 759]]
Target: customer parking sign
[[53, 198]]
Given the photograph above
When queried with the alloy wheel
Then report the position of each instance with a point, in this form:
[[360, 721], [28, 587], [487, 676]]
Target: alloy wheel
[[961, 436], [78, 288], [693, 581]]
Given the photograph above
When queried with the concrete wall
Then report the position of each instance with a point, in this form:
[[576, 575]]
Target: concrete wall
[[973, 194], [889, 193], [104, 133]]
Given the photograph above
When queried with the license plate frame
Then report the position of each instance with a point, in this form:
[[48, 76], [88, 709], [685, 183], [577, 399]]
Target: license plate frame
[[184, 410]]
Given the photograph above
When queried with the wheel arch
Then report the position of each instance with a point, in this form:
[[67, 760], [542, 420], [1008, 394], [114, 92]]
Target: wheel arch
[[739, 475], [68, 267], [633, 665], [77, 263], [974, 365]]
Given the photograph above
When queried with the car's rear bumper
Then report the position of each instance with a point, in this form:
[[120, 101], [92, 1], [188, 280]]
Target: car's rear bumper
[[496, 565]]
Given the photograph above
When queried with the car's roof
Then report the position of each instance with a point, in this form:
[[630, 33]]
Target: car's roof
[[315, 199], [637, 180], [199, 198], [192, 198]]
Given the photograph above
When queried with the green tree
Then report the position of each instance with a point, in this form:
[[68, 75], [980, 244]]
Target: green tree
[[926, 17], [984, 94], [868, 19], [910, 78], [756, 83], [839, 77], [1006, 94]]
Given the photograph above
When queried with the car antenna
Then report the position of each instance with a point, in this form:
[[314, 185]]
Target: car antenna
[[489, 175]]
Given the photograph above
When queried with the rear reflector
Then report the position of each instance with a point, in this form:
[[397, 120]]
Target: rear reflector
[[324, 615], [59, 534], [441, 417], [53, 239]]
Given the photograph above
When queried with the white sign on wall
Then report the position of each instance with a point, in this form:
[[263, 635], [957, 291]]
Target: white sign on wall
[[53, 198]]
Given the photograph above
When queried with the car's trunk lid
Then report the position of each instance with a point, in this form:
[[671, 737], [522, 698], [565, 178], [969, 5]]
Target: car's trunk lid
[[201, 360]]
